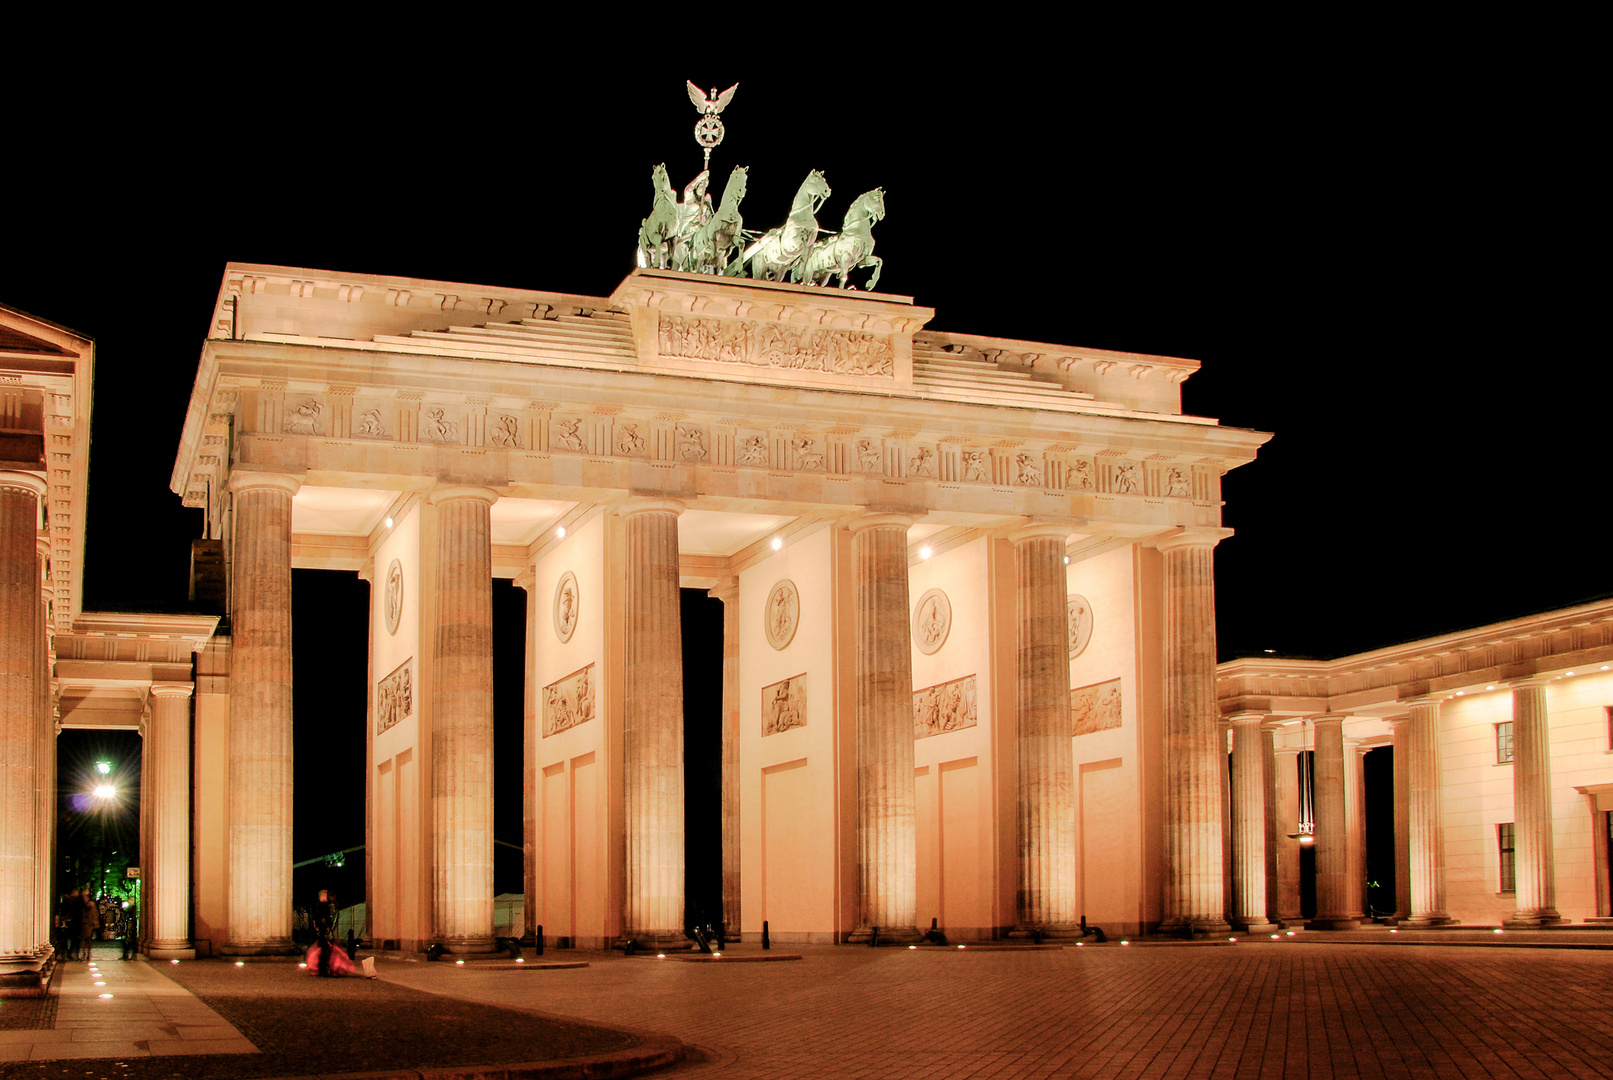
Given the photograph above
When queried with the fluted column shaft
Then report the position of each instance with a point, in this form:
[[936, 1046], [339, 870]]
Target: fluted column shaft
[[652, 724], [44, 756], [1418, 736], [462, 720], [1355, 818], [729, 595], [20, 672], [1285, 784], [1531, 801], [1402, 795], [167, 750], [1046, 760], [260, 716], [1249, 822], [1336, 899], [887, 866], [1194, 892]]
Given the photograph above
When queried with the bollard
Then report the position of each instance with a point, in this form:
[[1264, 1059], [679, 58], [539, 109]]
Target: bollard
[[766, 944], [873, 939], [539, 937]]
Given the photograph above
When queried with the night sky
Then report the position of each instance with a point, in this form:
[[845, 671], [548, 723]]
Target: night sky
[[1358, 244]]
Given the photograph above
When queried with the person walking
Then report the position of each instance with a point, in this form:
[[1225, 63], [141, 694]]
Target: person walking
[[89, 923], [69, 917]]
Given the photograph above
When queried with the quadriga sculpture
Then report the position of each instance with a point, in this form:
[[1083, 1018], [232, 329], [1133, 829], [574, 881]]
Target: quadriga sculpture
[[851, 249], [773, 256], [722, 234]]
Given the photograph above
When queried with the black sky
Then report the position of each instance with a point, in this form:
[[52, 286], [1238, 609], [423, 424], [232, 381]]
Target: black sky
[[1357, 243]]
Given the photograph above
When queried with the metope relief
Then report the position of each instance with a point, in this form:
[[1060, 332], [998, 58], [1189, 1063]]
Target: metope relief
[[394, 696], [932, 621], [870, 458], [1128, 478], [566, 605], [691, 443], [756, 344], [630, 441], [1081, 474], [784, 705], [370, 424], [1095, 707], [751, 450], [304, 419], [808, 453], [782, 614], [949, 706], [436, 426], [569, 701], [977, 466], [1079, 616], [1178, 484], [922, 463], [505, 431], [394, 596], [567, 435], [1030, 470]]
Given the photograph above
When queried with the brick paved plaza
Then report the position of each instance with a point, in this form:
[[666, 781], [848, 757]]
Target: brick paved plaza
[[1262, 1009]]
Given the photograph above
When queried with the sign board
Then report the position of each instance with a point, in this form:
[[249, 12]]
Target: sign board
[[131, 871]]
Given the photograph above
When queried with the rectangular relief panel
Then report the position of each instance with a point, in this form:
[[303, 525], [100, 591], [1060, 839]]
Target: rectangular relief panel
[[394, 696], [568, 701], [1095, 707], [948, 706], [784, 705]]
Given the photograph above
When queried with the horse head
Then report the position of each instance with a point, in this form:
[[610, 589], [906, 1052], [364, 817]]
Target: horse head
[[870, 204], [735, 190], [658, 180], [814, 189]]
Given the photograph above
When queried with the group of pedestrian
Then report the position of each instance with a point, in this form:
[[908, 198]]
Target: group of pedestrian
[[80, 918]]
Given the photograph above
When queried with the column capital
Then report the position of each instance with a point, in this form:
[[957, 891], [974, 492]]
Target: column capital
[[1177, 539], [526, 580], [23, 481], [1529, 681], [643, 504], [172, 689], [727, 592], [880, 521], [1038, 531], [1423, 700], [1244, 718], [251, 480], [449, 492]]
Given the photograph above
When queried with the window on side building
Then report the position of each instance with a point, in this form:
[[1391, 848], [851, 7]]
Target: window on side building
[[1509, 861], [1503, 743]]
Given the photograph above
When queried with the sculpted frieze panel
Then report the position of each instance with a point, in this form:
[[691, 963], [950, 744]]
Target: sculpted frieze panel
[[1029, 471], [371, 424], [566, 433], [807, 453], [437, 426], [948, 706], [1128, 478], [751, 450], [922, 462], [630, 441], [1080, 474], [692, 443], [1178, 483], [870, 456], [1095, 707], [504, 429], [770, 345], [394, 696], [977, 466], [784, 705], [568, 701]]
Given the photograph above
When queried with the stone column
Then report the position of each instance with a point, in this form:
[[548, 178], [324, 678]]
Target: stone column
[[167, 870], [729, 595], [1249, 821], [1418, 769], [44, 756], [531, 794], [1286, 810], [1531, 807], [462, 721], [887, 845], [260, 717], [1045, 755], [652, 726], [1397, 734], [1193, 758], [1355, 820], [20, 672], [1337, 899]]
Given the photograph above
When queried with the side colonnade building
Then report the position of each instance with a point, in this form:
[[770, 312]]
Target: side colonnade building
[[1502, 739]]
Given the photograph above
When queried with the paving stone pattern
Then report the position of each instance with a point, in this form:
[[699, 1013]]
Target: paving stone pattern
[[1255, 1009]]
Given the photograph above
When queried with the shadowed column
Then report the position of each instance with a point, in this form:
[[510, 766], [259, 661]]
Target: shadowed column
[[1336, 897], [729, 595], [260, 716], [1418, 736], [652, 725], [167, 750], [1531, 807], [1194, 892], [1046, 761], [1285, 784], [462, 720], [887, 845], [1249, 822], [1355, 820], [20, 672], [1397, 734]]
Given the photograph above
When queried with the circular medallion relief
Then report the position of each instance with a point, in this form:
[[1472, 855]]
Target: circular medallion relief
[[1080, 612], [783, 612], [566, 603], [394, 596], [932, 621]]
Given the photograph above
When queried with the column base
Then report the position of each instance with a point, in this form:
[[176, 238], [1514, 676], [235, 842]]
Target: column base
[[265, 948], [1533, 920], [1194, 927], [468, 946], [1047, 932], [1334, 922], [165, 952], [888, 935], [1247, 926], [1599, 920], [1423, 922]]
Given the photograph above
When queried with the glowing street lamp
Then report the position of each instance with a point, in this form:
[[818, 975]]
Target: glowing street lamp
[[105, 791], [103, 767]]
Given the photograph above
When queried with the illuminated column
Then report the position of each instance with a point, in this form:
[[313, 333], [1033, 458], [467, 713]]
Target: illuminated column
[[729, 595], [1337, 899], [1193, 860], [652, 725], [44, 755], [531, 822], [1531, 807], [1355, 817], [462, 721], [1046, 760], [887, 844], [1418, 736], [1397, 735], [1249, 823], [1285, 762], [167, 750], [20, 672], [260, 716]]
